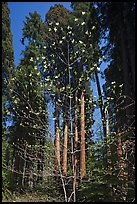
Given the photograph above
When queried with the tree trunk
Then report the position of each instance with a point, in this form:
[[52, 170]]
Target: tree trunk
[[76, 137], [101, 104], [75, 149], [65, 150], [57, 137], [129, 110], [130, 41], [102, 116], [24, 165], [82, 144]]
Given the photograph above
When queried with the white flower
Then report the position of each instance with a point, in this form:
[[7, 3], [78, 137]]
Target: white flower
[[86, 32], [73, 41], [49, 29], [98, 68], [60, 41], [120, 85], [63, 37], [83, 23], [26, 107], [100, 59], [93, 27], [80, 42], [57, 23], [55, 29], [83, 12], [30, 74], [76, 19], [113, 82], [47, 79], [68, 27]]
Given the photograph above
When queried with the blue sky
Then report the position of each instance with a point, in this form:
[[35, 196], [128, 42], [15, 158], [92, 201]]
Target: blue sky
[[18, 13]]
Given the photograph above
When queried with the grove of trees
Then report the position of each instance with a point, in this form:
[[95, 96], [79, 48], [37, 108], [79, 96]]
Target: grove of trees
[[85, 160]]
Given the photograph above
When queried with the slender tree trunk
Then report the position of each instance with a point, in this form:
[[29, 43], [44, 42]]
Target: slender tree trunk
[[109, 153], [101, 103], [65, 150], [82, 144], [76, 136], [102, 116], [75, 148], [109, 162], [57, 137], [24, 167]]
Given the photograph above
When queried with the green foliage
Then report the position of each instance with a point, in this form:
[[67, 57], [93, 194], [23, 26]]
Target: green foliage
[[61, 57]]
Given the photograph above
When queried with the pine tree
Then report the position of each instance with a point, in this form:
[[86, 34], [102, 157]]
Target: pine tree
[[30, 119], [7, 70], [120, 75]]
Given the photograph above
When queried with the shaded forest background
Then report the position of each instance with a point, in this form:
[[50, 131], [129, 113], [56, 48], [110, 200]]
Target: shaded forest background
[[61, 59]]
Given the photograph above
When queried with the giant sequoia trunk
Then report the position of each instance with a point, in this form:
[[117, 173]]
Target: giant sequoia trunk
[[129, 109], [82, 144], [130, 39], [57, 137]]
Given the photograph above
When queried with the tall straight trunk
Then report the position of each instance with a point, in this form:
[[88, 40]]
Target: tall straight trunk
[[65, 150], [101, 104], [82, 144], [16, 167], [127, 73], [109, 153], [24, 165], [109, 161], [102, 116], [130, 41], [76, 136], [57, 137], [75, 148]]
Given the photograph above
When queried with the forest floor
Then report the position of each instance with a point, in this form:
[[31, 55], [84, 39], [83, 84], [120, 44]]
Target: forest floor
[[32, 197]]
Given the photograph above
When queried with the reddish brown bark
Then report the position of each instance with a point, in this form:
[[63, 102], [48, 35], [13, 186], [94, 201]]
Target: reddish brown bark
[[82, 144]]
